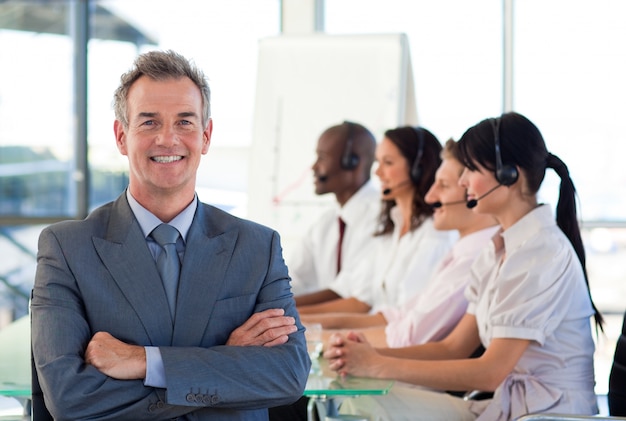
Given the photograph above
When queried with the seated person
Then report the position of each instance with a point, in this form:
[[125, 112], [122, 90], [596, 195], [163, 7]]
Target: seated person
[[529, 302], [406, 239], [432, 313], [345, 154]]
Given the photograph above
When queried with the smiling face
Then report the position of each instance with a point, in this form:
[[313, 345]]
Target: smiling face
[[453, 215], [165, 137], [393, 170]]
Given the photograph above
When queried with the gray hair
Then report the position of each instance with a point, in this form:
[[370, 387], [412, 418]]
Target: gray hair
[[161, 65]]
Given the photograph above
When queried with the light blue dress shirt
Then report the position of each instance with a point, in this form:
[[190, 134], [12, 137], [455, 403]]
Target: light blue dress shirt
[[155, 372]]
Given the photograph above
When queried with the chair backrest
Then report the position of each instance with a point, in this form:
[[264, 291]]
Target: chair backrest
[[617, 378], [566, 417], [38, 407], [473, 395], [39, 411]]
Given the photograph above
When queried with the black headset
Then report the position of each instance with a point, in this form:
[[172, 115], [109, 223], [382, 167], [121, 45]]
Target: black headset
[[349, 160], [416, 168], [505, 174]]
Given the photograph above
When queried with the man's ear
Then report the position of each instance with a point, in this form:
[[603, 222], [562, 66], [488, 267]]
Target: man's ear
[[206, 136], [120, 136]]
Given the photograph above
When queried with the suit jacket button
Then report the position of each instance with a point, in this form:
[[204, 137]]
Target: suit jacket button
[[206, 399], [152, 408], [199, 397], [215, 399], [190, 397], [160, 404]]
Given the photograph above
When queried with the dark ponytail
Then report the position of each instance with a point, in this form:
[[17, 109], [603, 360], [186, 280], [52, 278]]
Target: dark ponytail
[[523, 146], [567, 220]]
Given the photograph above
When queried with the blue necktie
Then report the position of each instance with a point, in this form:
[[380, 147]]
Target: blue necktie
[[168, 262]]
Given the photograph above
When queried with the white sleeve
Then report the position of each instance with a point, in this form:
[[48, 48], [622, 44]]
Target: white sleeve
[[301, 265], [538, 287]]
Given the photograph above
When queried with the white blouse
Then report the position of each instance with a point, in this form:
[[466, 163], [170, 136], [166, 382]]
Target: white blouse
[[402, 265], [537, 292], [430, 315]]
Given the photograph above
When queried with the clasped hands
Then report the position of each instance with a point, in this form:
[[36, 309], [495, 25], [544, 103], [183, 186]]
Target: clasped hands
[[351, 353], [123, 361]]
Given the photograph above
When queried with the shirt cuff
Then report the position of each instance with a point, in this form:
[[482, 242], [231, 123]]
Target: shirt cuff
[[155, 371]]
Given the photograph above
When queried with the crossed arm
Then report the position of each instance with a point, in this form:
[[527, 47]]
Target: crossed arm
[[123, 361]]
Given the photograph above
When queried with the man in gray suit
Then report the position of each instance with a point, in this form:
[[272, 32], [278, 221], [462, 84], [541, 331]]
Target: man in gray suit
[[106, 342]]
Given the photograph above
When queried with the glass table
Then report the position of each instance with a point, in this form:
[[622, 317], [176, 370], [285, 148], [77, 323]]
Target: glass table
[[324, 386], [15, 361]]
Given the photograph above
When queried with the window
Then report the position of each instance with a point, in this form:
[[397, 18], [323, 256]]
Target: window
[[568, 67], [40, 148]]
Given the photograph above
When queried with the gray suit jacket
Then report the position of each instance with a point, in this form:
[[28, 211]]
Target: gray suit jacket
[[98, 275]]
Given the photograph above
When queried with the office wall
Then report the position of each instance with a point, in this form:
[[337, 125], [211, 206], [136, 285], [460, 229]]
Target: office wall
[[304, 85]]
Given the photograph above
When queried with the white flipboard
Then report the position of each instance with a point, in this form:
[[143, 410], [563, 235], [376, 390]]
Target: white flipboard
[[306, 84]]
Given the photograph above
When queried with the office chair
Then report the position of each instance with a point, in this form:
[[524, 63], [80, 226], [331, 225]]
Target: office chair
[[38, 408], [473, 395], [617, 378], [562, 417]]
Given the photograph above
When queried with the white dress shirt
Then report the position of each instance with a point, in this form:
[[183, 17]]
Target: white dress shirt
[[402, 265], [312, 262], [432, 313]]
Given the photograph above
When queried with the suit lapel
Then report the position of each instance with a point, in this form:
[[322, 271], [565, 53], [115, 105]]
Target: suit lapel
[[207, 253], [126, 256]]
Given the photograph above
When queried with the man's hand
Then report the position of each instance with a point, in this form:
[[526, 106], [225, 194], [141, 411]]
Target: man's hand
[[267, 328], [115, 358]]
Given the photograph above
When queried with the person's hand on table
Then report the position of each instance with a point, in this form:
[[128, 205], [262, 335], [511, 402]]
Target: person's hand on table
[[351, 353]]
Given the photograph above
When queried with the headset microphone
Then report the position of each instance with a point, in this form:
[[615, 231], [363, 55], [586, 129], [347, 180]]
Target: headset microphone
[[437, 205], [472, 203], [505, 174], [349, 159], [390, 189]]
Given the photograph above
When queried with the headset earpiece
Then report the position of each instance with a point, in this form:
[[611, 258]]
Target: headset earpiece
[[416, 168], [505, 174], [349, 160]]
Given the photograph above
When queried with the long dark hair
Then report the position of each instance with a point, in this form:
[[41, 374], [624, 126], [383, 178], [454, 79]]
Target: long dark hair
[[407, 139], [523, 146]]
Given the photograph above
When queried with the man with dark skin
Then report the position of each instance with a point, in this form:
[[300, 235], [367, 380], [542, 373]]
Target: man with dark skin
[[318, 266]]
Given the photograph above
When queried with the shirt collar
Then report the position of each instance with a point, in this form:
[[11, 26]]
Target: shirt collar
[[530, 224], [395, 214], [148, 221], [467, 244], [352, 210]]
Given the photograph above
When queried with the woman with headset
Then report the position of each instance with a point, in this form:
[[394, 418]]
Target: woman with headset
[[409, 247], [529, 301]]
